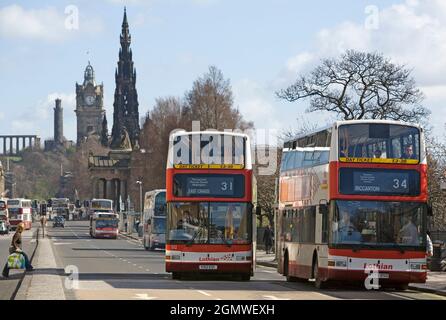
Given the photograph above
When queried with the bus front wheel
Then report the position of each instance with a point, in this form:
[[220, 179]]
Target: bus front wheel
[[176, 275], [402, 286]]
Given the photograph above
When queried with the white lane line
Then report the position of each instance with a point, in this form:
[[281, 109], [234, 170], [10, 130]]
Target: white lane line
[[147, 270], [273, 298], [204, 292], [399, 296], [143, 296]]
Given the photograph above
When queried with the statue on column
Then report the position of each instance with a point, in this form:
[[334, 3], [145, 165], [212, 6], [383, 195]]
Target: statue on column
[[126, 144]]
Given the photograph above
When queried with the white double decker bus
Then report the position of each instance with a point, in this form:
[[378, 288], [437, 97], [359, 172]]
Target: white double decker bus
[[155, 219], [353, 199]]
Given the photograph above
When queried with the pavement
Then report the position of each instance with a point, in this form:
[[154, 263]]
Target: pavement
[[9, 286], [71, 265]]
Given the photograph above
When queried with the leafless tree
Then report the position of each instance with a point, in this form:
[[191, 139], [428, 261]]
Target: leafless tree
[[211, 102], [360, 85]]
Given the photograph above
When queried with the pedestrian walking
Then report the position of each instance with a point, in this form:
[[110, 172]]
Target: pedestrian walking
[[43, 224], [268, 238], [16, 247]]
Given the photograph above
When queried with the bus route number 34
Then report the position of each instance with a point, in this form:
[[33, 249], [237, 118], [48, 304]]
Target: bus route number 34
[[400, 183]]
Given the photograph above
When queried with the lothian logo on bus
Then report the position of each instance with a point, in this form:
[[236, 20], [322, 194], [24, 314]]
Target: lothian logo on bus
[[377, 266]]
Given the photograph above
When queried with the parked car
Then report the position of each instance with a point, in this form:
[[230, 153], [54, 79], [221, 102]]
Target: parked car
[[59, 222]]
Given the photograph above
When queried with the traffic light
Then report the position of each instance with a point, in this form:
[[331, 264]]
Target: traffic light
[[43, 209], [78, 204], [50, 203]]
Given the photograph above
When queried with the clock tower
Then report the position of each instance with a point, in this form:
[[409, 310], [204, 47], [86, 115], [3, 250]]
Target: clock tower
[[90, 110]]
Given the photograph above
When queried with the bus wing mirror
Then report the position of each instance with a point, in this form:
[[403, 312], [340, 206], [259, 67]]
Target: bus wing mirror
[[430, 212], [323, 209], [258, 210]]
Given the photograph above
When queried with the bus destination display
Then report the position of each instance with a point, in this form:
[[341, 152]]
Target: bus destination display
[[197, 185], [379, 182]]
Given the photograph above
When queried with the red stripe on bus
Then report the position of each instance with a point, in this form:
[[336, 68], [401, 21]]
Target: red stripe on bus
[[377, 254], [209, 248], [334, 181]]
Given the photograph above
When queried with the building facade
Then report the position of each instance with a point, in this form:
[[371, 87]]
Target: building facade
[[125, 106], [90, 110]]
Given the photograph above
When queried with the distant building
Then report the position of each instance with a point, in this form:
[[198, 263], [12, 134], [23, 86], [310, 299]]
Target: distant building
[[2, 180], [125, 106], [90, 111], [66, 186], [58, 142]]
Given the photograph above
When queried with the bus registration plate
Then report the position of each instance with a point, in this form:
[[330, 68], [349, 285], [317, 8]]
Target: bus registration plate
[[207, 267]]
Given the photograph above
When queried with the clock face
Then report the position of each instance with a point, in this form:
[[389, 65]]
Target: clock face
[[90, 100]]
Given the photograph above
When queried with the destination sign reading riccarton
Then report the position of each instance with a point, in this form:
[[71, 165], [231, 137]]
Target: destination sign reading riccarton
[[380, 182], [357, 181]]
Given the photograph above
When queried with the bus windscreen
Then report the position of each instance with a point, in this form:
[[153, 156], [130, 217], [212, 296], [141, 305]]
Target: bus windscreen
[[380, 143]]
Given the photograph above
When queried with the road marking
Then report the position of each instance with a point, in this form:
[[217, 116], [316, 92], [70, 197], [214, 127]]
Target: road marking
[[143, 296], [399, 296], [147, 270], [273, 298], [205, 293], [61, 243], [33, 240]]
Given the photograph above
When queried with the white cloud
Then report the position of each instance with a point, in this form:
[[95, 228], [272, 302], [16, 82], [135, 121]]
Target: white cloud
[[39, 118], [47, 24], [256, 104], [411, 33]]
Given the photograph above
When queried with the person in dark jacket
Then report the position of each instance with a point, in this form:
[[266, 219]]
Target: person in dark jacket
[[16, 246], [268, 238]]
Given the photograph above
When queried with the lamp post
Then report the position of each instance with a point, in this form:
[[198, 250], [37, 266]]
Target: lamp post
[[140, 202]]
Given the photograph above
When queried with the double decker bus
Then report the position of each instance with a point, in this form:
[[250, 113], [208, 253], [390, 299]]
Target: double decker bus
[[353, 198], [99, 205], [209, 194], [20, 210], [60, 207], [104, 225], [155, 219]]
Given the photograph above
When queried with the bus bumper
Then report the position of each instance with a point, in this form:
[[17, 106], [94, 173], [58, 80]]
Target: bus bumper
[[384, 276], [208, 267]]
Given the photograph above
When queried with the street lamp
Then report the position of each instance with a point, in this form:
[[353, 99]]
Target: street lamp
[[140, 202]]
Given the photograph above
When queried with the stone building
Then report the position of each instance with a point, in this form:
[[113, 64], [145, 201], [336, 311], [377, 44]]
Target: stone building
[[125, 106], [90, 112], [111, 174]]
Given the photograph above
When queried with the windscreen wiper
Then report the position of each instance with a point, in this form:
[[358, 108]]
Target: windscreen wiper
[[195, 235]]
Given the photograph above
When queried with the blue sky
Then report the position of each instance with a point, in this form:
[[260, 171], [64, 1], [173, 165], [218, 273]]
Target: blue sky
[[260, 45]]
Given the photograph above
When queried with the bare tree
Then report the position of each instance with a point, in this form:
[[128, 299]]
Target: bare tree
[[436, 170], [211, 102], [360, 85]]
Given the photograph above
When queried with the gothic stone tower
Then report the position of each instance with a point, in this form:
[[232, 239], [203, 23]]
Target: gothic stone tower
[[125, 106], [90, 110]]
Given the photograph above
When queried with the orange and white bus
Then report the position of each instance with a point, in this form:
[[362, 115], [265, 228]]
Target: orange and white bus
[[20, 210], [353, 199], [104, 225], [209, 195]]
